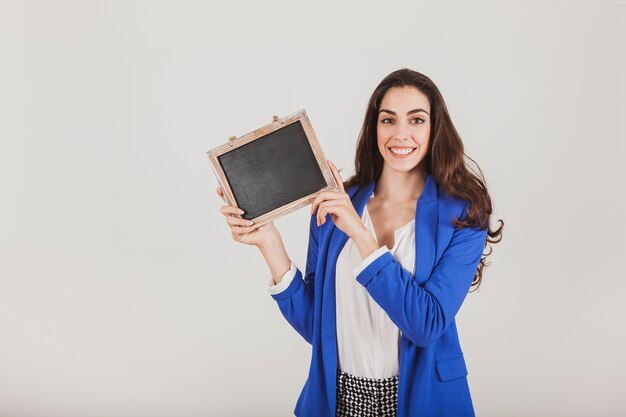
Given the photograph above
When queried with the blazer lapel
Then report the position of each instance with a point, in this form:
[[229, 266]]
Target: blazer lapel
[[426, 225]]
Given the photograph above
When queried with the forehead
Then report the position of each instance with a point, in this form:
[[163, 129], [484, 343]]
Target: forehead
[[404, 98]]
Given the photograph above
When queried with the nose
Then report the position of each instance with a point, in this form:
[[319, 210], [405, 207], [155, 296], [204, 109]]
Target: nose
[[403, 131]]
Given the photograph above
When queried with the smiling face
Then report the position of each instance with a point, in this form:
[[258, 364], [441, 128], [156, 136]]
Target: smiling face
[[403, 128]]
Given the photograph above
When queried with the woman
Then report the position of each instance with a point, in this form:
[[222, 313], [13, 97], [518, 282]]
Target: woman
[[391, 257]]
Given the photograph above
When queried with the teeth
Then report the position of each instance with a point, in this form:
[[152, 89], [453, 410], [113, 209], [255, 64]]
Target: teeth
[[402, 151]]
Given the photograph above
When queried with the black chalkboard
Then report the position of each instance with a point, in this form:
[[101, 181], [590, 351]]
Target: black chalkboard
[[273, 170]]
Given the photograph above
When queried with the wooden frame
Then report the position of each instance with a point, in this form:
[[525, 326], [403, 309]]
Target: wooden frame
[[236, 142]]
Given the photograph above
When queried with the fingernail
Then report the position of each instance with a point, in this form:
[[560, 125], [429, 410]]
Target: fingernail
[[239, 211], [250, 222]]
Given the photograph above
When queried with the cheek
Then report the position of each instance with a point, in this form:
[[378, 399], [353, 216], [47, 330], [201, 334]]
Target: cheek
[[423, 138], [381, 149], [380, 140]]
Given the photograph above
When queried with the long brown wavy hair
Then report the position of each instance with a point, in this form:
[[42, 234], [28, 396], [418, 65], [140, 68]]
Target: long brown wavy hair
[[445, 160]]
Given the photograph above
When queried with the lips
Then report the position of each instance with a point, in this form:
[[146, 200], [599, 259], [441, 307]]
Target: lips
[[401, 151]]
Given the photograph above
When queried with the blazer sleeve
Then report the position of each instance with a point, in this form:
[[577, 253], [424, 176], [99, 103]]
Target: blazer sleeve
[[423, 312], [296, 302]]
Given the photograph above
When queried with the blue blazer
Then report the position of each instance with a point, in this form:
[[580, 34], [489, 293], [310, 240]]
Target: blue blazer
[[423, 304]]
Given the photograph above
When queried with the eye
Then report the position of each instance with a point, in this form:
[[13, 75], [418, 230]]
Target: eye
[[417, 120], [386, 120]]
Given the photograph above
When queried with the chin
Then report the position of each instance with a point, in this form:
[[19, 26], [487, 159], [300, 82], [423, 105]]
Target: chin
[[404, 166]]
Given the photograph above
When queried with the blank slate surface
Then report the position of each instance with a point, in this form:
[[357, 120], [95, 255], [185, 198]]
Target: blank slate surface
[[272, 171]]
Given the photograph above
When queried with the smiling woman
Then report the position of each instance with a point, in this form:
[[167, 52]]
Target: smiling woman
[[391, 256], [403, 128]]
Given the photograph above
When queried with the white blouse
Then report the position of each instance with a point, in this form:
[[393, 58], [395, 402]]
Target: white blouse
[[368, 343]]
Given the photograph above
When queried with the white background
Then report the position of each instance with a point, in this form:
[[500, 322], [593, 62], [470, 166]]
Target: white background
[[121, 291]]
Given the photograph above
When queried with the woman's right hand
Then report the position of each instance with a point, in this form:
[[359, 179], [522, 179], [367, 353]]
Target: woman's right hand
[[241, 229]]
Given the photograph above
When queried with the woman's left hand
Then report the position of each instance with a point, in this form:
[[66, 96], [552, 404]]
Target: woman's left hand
[[338, 205]]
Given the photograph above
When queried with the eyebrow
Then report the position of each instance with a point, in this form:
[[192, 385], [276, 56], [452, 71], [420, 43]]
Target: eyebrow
[[407, 113]]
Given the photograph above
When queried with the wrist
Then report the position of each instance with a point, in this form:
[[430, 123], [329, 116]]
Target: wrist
[[272, 240], [275, 255], [272, 246], [365, 242], [362, 234]]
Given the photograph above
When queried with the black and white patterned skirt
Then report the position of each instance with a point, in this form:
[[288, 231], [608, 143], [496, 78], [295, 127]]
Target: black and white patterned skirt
[[366, 397]]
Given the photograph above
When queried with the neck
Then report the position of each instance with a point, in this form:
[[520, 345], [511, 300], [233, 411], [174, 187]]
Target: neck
[[397, 187]]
